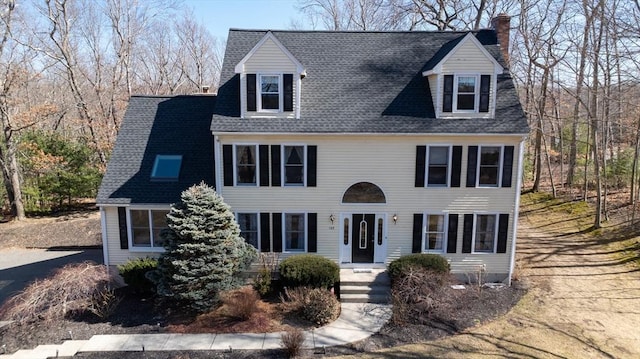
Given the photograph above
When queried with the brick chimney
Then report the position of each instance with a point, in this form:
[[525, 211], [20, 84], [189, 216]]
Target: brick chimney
[[502, 24]]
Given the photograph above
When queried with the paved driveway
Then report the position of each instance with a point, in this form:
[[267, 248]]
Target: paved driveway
[[19, 267]]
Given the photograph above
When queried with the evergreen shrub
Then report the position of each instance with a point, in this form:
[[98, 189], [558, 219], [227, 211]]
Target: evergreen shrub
[[432, 262], [204, 252], [134, 274], [309, 270]]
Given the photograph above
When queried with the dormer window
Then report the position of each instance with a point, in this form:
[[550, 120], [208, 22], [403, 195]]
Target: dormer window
[[270, 92], [466, 93]]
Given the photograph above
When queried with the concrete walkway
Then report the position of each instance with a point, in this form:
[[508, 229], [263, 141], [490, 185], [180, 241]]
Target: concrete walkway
[[356, 322]]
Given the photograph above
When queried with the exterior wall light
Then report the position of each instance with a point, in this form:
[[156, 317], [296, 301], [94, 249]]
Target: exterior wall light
[[395, 218], [332, 218]]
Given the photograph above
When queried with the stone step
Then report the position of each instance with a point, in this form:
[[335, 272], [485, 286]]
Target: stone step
[[67, 349], [360, 289], [70, 347], [365, 298], [377, 277]]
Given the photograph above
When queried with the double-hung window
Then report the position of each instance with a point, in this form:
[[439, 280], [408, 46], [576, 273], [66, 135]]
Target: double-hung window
[[294, 165], [485, 233], [270, 88], [249, 228], [295, 236], [466, 93], [246, 164], [435, 233], [466, 89], [489, 165], [438, 159], [146, 226]]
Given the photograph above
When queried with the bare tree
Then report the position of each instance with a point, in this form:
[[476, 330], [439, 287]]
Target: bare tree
[[202, 60], [8, 142]]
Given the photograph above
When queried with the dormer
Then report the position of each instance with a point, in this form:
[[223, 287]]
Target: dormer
[[463, 79], [270, 81]]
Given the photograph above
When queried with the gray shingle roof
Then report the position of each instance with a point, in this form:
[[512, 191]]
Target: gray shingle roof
[[363, 82], [159, 125]]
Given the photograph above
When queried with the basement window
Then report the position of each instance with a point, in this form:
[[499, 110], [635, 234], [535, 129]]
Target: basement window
[[166, 168]]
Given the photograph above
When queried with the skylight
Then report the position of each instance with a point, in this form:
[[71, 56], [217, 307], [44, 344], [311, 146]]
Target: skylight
[[166, 167]]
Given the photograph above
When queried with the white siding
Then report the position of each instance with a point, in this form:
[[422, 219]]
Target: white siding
[[435, 86], [389, 162], [269, 58], [117, 255], [468, 58]]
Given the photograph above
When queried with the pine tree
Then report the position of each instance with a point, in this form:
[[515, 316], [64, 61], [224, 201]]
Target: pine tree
[[204, 252]]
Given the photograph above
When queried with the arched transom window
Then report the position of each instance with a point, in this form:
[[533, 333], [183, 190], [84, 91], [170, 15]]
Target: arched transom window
[[364, 192]]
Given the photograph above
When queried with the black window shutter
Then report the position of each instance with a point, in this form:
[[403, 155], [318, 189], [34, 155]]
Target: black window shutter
[[503, 228], [467, 233], [275, 165], [312, 235], [507, 166], [312, 165], [227, 163], [456, 166], [472, 164], [288, 91], [452, 234], [251, 92], [265, 233], [485, 84], [447, 94], [416, 246], [277, 232], [264, 164], [421, 157], [122, 224]]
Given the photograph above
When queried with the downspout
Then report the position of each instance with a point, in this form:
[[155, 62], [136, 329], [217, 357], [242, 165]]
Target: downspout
[[217, 150], [516, 211], [105, 247]]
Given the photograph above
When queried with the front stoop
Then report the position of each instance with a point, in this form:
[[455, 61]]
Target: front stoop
[[364, 286]]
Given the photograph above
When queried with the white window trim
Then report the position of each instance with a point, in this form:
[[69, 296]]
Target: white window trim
[[445, 228], [500, 165], [132, 247], [284, 232], [259, 93], [495, 232], [235, 165], [476, 91], [449, 164], [258, 225], [283, 164]]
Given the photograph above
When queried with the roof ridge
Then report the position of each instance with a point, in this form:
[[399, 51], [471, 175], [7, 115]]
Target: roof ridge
[[362, 31]]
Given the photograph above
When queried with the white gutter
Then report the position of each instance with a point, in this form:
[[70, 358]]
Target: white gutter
[[516, 212], [105, 247]]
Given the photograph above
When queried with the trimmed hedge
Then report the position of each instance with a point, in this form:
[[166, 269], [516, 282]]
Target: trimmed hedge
[[134, 274], [309, 270], [431, 262]]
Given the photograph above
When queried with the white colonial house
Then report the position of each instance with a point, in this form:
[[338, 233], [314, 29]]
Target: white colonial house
[[358, 146]]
